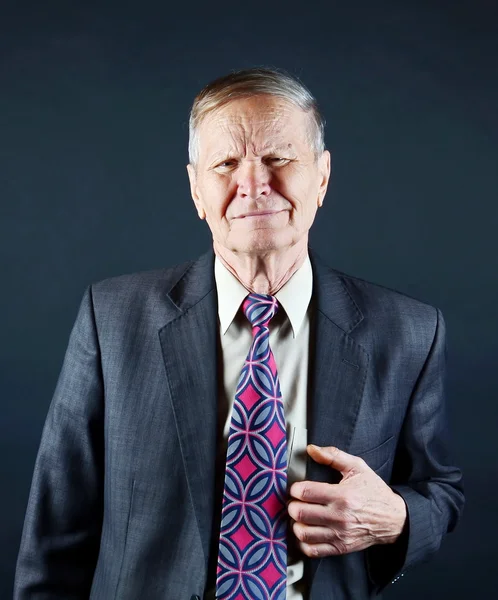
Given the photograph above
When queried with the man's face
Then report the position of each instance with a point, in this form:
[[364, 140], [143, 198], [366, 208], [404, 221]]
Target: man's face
[[257, 181]]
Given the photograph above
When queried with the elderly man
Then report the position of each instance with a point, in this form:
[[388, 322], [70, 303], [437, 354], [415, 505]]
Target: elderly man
[[253, 424]]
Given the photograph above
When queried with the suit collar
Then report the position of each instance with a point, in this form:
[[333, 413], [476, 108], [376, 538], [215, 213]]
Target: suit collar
[[332, 297], [196, 282], [294, 296]]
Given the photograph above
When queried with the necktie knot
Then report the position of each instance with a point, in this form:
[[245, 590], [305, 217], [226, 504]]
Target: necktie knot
[[259, 309]]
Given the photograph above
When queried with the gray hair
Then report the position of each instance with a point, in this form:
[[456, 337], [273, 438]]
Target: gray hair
[[251, 82]]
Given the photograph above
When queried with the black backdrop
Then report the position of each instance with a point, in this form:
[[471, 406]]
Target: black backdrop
[[94, 102]]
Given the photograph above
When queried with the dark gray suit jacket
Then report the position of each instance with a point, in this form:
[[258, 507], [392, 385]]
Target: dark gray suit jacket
[[122, 499]]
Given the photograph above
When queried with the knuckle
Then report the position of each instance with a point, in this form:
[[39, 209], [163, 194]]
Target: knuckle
[[360, 462], [342, 548], [311, 551], [299, 532], [333, 452], [327, 536], [295, 510], [350, 503], [305, 492], [346, 528], [343, 504], [338, 546]]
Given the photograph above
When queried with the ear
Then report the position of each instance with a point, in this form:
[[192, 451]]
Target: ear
[[194, 192], [324, 171]]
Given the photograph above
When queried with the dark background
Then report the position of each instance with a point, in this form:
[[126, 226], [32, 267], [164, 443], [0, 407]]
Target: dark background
[[94, 104]]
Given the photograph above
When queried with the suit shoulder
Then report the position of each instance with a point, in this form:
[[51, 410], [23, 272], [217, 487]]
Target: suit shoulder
[[141, 284], [370, 296]]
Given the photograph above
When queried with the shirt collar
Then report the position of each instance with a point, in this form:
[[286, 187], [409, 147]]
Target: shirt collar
[[294, 296]]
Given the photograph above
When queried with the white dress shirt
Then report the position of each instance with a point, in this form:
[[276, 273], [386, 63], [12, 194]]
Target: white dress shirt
[[289, 341]]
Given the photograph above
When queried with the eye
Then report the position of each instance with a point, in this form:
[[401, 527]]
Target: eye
[[226, 165], [278, 161]]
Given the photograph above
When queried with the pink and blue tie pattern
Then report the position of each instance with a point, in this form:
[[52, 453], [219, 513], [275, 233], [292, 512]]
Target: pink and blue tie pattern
[[252, 558]]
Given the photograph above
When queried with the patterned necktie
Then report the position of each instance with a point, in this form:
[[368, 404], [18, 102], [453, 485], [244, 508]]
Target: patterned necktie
[[252, 558]]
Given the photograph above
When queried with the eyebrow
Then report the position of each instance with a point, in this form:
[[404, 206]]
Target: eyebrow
[[277, 149], [270, 149]]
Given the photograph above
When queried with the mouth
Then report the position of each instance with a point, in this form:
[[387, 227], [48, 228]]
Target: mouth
[[259, 213]]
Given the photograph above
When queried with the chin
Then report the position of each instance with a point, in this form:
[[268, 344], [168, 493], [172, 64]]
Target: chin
[[263, 242]]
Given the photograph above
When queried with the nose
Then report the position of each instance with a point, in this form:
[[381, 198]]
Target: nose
[[253, 180]]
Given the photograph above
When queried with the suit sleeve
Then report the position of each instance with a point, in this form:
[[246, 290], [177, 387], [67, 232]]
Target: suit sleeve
[[423, 473], [61, 534]]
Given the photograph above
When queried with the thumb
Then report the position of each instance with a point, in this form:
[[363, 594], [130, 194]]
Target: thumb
[[333, 457]]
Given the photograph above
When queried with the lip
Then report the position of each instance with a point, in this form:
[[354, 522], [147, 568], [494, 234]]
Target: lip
[[259, 213]]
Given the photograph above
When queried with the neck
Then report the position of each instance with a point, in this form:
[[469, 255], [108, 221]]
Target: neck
[[263, 273]]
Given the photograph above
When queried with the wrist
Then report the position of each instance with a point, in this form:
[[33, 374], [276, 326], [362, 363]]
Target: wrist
[[399, 516]]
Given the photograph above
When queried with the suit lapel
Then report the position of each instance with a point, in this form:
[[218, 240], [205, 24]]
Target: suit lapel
[[189, 347], [338, 373]]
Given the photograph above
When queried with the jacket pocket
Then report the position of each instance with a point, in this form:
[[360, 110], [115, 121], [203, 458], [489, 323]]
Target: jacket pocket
[[378, 456]]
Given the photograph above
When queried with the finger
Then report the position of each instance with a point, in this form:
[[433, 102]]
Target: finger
[[309, 514], [319, 550], [316, 492], [313, 534], [335, 458]]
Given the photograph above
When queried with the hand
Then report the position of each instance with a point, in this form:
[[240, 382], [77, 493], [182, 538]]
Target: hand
[[359, 511]]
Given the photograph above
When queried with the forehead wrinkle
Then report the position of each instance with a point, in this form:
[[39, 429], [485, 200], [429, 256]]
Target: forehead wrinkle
[[249, 131], [241, 140], [227, 149], [258, 136]]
